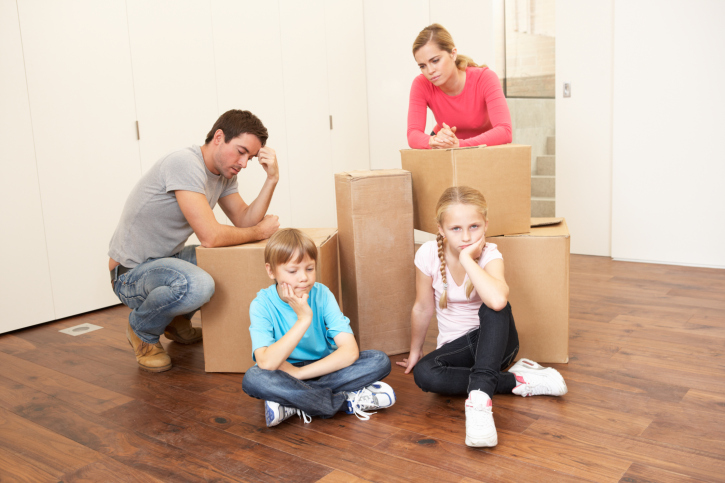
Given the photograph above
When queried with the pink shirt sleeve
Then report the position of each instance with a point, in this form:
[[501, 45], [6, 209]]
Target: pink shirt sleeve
[[498, 114], [417, 113], [426, 256]]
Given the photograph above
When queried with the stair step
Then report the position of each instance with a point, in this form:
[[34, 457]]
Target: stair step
[[543, 186], [551, 145], [543, 207], [546, 165]]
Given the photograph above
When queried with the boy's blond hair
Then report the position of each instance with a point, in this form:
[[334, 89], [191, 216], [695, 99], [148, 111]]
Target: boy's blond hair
[[283, 245]]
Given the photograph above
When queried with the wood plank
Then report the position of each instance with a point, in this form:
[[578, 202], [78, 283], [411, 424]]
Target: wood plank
[[128, 447], [355, 458], [702, 431], [484, 464], [340, 477], [108, 470], [65, 388], [48, 451], [639, 473], [11, 344], [663, 456], [233, 453], [15, 467]]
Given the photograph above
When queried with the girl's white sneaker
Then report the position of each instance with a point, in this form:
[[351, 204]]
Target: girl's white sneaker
[[537, 380], [480, 428]]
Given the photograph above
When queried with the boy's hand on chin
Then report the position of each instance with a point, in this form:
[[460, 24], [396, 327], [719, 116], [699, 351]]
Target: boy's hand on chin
[[298, 303]]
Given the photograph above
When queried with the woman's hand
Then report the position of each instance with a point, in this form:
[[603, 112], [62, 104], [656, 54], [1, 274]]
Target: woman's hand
[[411, 361], [445, 138], [474, 250], [298, 304]]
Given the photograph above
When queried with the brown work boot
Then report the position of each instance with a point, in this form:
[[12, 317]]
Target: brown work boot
[[180, 330], [150, 357]]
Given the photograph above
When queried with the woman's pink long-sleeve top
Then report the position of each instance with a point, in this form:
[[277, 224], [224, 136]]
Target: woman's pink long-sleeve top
[[479, 113]]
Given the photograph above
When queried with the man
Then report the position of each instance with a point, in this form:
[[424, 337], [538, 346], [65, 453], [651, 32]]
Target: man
[[152, 272]]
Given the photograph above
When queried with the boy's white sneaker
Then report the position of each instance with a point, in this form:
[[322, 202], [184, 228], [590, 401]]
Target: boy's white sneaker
[[377, 395], [536, 380], [480, 428], [275, 413]]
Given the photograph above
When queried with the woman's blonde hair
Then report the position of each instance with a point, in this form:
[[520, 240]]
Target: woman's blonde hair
[[456, 195], [439, 35], [283, 245]]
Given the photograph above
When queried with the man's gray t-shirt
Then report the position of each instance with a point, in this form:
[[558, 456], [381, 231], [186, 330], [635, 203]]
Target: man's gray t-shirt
[[152, 224]]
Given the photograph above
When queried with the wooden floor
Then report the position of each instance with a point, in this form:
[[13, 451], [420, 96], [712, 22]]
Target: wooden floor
[[646, 402]]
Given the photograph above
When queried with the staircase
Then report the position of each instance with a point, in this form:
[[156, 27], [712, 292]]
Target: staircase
[[543, 183]]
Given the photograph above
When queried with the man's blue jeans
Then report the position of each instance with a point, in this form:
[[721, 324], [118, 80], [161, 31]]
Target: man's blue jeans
[[322, 396], [160, 289]]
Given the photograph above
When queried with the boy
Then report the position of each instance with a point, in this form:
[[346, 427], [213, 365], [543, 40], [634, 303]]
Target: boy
[[308, 362]]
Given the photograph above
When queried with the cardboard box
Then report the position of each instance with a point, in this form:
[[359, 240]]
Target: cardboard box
[[375, 230], [238, 274], [501, 173], [537, 272]]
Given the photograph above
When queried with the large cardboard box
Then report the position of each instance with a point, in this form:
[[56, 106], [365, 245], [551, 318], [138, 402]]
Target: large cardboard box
[[375, 230], [501, 173], [238, 274], [537, 273]]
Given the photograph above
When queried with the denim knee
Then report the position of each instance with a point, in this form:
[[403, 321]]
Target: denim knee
[[422, 375], [379, 362], [252, 381], [200, 288]]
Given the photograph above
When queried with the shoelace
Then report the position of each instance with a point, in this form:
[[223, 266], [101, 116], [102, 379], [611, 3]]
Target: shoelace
[[291, 411], [362, 399]]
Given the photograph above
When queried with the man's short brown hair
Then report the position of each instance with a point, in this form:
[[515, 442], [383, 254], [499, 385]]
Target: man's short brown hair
[[287, 242], [236, 122]]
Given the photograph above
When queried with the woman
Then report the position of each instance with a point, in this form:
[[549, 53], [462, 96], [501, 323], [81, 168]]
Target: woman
[[466, 99]]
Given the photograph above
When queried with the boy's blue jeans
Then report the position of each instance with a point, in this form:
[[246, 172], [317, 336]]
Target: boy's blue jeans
[[322, 396], [160, 289]]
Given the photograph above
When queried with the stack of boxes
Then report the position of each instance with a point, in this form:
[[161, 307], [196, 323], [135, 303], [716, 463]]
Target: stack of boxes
[[535, 250], [368, 261]]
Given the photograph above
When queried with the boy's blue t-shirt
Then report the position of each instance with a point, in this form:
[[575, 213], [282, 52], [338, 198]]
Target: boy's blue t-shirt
[[271, 318]]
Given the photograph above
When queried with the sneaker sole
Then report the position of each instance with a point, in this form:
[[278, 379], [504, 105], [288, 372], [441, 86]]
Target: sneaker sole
[[269, 416], [481, 443]]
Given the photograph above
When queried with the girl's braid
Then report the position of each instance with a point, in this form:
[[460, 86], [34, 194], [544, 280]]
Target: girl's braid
[[443, 303]]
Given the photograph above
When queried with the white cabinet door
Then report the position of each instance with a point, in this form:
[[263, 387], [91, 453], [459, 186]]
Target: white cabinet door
[[347, 85], [307, 113], [172, 52], [390, 29], [26, 297], [80, 88], [248, 66]]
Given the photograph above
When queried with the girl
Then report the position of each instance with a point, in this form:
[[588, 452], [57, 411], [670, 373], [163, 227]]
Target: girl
[[460, 278], [466, 99]]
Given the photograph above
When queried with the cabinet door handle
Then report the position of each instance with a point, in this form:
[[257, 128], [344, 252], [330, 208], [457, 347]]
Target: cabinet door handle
[[138, 133]]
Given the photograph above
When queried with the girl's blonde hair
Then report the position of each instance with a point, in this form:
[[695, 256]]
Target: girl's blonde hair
[[287, 242], [456, 195], [437, 34]]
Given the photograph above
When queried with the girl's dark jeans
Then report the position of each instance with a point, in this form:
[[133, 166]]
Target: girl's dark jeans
[[475, 360]]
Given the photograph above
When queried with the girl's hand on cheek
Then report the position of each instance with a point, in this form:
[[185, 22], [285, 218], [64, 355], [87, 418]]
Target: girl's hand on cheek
[[475, 249]]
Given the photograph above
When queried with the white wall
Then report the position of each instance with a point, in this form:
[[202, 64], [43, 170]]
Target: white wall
[[668, 158], [638, 159], [25, 264], [584, 123], [390, 29]]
